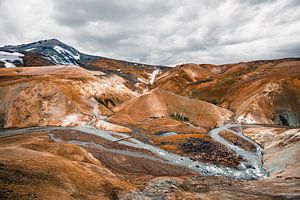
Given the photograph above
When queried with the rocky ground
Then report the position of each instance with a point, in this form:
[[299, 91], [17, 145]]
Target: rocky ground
[[33, 166]]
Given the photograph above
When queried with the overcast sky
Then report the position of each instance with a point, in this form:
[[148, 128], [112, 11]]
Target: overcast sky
[[164, 32]]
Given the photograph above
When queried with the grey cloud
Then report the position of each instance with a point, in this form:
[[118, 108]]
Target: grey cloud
[[84, 12], [161, 32], [293, 3], [256, 2], [289, 50]]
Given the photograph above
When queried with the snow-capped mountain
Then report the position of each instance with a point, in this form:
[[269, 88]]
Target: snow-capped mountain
[[53, 50]]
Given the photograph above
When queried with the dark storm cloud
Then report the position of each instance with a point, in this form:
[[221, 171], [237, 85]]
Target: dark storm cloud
[[160, 32]]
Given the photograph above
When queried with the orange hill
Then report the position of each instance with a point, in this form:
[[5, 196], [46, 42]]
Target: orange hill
[[162, 104]]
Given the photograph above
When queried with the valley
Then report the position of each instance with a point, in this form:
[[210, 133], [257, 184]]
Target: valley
[[77, 126]]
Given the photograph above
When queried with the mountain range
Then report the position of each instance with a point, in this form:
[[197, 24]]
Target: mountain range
[[78, 126]]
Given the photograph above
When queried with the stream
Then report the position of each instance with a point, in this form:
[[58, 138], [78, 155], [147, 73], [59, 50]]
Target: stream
[[251, 168]]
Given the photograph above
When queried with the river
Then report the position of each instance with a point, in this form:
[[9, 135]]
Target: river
[[251, 168]]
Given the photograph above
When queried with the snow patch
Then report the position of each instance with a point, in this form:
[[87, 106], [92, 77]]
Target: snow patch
[[8, 58], [65, 51], [54, 59], [64, 57], [71, 119], [9, 65], [61, 61], [13, 54], [31, 49], [153, 76]]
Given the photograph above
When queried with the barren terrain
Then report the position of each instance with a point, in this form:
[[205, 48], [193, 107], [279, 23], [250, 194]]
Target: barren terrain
[[109, 129]]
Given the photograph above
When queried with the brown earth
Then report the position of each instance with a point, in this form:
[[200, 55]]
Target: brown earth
[[257, 92], [122, 67], [58, 95], [31, 167], [32, 59], [236, 140], [52, 170], [180, 77], [180, 100], [162, 104]]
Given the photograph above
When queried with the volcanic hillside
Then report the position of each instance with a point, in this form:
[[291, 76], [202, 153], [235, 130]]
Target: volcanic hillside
[[58, 95], [162, 104], [257, 92], [76, 126]]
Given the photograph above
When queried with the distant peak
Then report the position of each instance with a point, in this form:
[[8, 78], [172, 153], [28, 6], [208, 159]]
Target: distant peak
[[50, 41], [53, 40]]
